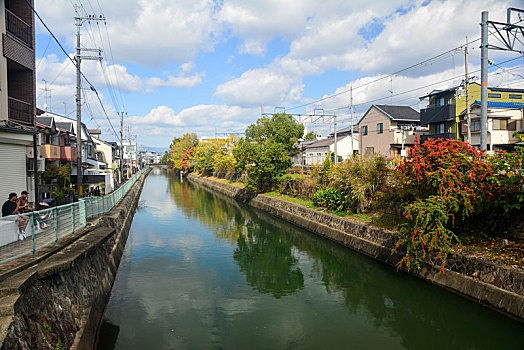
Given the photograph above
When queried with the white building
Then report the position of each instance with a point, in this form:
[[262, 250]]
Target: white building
[[504, 119], [316, 152]]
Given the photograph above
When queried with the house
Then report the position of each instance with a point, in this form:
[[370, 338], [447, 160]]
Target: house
[[444, 108], [316, 152], [17, 98], [93, 167], [299, 158], [105, 155], [130, 157], [388, 129], [353, 147], [504, 119]]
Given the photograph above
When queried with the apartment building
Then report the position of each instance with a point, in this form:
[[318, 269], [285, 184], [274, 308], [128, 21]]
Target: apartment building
[[17, 96], [445, 108]]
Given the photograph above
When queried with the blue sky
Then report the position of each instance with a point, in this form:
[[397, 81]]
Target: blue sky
[[198, 66]]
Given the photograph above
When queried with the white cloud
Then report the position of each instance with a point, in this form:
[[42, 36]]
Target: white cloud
[[183, 80], [201, 116], [256, 87], [151, 33]]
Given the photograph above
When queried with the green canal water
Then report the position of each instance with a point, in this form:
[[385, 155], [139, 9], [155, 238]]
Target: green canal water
[[201, 271]]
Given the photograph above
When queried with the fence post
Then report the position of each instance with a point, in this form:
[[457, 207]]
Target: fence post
[[33, 232], [85, 206], [55, 215], [73, 219]]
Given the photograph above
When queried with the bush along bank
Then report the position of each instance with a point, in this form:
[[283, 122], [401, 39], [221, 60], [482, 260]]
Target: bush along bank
[[447, 196]]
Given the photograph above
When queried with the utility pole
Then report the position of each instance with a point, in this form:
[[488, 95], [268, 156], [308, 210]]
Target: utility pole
[[130, 158], [47, 90], [507, 34], [484, 82], [121, 146], [79, 20], [335, 131], [351, 114], [468, 116]]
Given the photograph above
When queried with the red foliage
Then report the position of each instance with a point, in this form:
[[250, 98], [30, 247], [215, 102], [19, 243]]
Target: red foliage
[[184, 162]]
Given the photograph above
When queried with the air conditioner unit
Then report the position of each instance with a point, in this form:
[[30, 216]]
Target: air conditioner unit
[[40, 162]]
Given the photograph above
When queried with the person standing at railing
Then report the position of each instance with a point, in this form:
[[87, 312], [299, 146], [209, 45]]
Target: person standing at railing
[[10, 207]]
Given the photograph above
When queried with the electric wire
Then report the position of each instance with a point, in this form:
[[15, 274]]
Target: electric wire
[[411, 90], [72, 61], [384, 77]]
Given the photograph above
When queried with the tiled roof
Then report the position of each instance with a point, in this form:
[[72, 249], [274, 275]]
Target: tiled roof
[[65, 126], [326, 142], [399, 112], [45, 121]]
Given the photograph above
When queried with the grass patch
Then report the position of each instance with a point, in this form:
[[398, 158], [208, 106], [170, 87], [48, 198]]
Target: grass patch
[[383, 220], [226, 181], [287, 198]]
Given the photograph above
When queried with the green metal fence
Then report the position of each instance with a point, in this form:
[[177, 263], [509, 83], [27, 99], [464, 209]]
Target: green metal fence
[[48, 226]]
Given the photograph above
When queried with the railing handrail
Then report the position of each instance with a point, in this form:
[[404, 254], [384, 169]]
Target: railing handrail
[[24, 29], [69, 217], [20, 101], [18, 18]]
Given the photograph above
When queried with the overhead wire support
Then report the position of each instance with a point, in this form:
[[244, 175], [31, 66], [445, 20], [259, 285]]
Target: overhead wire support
[[79, 21], [507, 34], [314, 118]]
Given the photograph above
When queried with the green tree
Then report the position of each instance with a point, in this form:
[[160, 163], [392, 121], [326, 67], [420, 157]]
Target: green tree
[[280, 128], [178, 146], [310, 136], [264, 163]]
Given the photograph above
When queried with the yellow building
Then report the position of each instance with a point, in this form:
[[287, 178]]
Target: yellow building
[[445, 107]]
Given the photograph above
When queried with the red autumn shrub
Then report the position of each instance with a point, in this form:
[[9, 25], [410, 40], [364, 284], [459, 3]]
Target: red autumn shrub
[[446, 183]]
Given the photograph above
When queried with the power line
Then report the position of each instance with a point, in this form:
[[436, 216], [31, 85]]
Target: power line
[[387, 76], [72, 61], [408, 91], [383, 77]]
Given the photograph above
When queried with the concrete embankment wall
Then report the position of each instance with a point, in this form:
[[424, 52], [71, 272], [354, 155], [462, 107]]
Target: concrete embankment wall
[[59, 302], [489, 282]]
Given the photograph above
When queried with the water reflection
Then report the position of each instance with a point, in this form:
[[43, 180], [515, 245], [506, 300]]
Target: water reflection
[[223, 275]]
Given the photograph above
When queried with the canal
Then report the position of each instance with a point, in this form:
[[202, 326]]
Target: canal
[[201, 271]]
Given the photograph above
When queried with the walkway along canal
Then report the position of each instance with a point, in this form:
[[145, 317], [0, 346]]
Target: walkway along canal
[[203, 271]]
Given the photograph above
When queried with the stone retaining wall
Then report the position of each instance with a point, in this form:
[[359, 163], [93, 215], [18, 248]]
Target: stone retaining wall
[[489, 282], [59, 302]]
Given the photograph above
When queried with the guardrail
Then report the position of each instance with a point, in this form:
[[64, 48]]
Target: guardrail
[[48, 226]]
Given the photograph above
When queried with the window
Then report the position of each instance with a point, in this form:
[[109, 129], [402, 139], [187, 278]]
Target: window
[[370, 150], [515, 96], [440, 128], [47, 139], [475, 125], [439, 101], [365, 130], [494, 95], [500, 124], [380, 128]]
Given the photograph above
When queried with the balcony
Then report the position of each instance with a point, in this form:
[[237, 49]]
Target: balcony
[[20, 111], [439, 114], [445, 136], [68, 153], [50, 152], [17, 27]]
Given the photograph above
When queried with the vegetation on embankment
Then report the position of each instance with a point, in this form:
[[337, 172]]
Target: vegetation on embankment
[[446, 195]]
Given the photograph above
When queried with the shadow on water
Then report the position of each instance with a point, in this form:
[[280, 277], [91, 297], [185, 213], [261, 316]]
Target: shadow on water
[[316, 293]]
